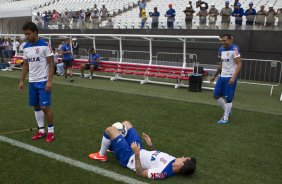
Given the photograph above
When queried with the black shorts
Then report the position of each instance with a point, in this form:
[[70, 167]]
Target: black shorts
[[68, 63], [96, 65]]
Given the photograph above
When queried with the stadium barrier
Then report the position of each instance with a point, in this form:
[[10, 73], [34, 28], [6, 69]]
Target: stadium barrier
[[259, 72]]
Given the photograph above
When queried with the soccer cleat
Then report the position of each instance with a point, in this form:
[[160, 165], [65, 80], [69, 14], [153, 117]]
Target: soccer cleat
[[222, 121], [96, 156], [38, 135], [50, 137], [91, 77], [82, 76], [71, 80]]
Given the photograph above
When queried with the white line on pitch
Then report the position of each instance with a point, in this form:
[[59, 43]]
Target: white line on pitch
[[72, 162]]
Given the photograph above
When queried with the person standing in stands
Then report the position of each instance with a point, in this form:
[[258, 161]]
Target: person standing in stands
[[142, 5], [143, 18], [213, 13], [270, 19], [39, 62], [67, 59], [225, 16], [95, 17], [170, 14], [238, 13], [203, 13], [260, 18], [155, 18], [189, 11], [250, 15], [104, 13]]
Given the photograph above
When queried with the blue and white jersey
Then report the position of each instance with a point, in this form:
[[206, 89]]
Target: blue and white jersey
[[228, 56], [36, 54], [158, 164]]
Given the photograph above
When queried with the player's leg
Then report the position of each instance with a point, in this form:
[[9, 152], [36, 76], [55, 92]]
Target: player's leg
[[132, 135], [218, 92], [82, 68], [70, 69], [45, 103], [229, 94], [65, 68], [39, 114], [109, 134], [91, 71]]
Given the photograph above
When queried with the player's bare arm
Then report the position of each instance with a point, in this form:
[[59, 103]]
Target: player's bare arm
[[48, 86], [238, 68], [139, 170], [218, 71], [148, 141], [23, 74]]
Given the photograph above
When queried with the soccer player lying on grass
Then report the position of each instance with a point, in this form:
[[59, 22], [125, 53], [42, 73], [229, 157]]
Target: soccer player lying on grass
[[128, 150]]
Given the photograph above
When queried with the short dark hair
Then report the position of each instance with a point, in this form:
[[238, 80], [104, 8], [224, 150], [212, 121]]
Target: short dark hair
[[189, 167], [229, 36], [30, 26]]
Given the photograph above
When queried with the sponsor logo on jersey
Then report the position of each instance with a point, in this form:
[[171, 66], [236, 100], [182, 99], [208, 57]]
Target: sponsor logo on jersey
[[35, 59], [158, 175], [37, 50]]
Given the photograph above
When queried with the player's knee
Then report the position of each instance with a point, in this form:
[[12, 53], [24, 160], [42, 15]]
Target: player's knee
[[229, 100], [127, 124], [82, 66], [110, 130], [216, 97], [45, 108], [37, 108]]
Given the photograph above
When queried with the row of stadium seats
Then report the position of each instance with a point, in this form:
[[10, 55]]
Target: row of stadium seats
[[131, 19], [23, 4]]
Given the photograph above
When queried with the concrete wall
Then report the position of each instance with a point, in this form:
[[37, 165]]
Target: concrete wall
[[253, 44]]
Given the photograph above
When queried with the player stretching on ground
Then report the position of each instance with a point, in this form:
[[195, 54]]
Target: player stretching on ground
[[229, 68], [130, 153], [39, 62]]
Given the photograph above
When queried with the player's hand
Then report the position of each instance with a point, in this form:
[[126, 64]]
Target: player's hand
[[231, 81], [21, 86], [212, 80], [147, 139], [48, 86], [135, 147]]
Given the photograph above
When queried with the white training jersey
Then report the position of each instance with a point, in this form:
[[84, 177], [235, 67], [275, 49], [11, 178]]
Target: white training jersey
[[36, 54], [228, 56], [158, 164]]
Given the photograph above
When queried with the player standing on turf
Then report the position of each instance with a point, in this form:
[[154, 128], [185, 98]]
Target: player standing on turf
[[229, 68], [39, 62], [67, 58]]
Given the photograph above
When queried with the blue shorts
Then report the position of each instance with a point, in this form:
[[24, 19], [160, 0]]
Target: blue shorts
[[37, 94], [223, 89], [121, 146]]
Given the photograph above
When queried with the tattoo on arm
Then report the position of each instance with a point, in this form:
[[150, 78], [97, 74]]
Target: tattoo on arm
[[138, 166]]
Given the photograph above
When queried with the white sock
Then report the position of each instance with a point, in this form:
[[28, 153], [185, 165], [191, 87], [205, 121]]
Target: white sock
[[228, 108], [221, 102], [50, 128], [104, 146], [39, 116]]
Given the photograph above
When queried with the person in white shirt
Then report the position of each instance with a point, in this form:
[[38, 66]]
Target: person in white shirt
[[229, 67], [38, 61], [130, 153]]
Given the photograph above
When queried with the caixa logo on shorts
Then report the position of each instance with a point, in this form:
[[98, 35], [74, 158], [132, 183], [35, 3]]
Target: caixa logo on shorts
[[158, 175], [35, 59]]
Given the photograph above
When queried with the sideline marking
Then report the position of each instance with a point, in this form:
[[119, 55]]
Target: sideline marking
[[87, 167]]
